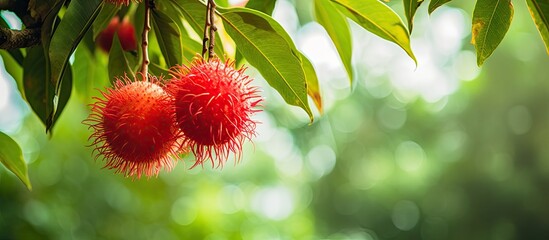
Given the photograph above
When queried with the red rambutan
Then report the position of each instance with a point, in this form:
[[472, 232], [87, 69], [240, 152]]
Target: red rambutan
[[104, 39], [126, 35], [125, 32], [213, 105], [134, 127]]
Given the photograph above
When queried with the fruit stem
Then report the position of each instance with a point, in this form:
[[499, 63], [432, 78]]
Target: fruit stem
[[213, 28], [209, 30], [145, 41]]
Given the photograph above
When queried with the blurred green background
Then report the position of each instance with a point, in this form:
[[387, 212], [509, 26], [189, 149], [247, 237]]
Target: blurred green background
[[446, 150]]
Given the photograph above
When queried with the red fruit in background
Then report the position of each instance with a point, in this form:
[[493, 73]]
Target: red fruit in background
[[134, 128], [213, 103], [104, 39], [126, 34]]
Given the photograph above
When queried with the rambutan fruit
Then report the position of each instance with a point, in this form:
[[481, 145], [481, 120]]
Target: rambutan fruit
[[214, 103], [125, 32], [134, 127], [104, 39]]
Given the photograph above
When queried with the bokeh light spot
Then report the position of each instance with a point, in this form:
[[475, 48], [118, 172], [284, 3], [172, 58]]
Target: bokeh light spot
[[321, 160], [409, 156], [519, 119], [405, 215], [275, 203], [184, 211], [392, 118], [231, 199], [37, 213], [372, 169]]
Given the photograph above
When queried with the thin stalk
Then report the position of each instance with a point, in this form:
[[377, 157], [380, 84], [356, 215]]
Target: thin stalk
[[145, 41], [209, 30], [207, 25], [213, 28]]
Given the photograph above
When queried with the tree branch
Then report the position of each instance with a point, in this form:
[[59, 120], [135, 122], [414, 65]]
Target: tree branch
[[10, 39]]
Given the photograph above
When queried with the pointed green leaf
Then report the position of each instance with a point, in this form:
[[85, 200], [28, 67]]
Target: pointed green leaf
[[265, 6], [313, 88], [267, 47], [91, 72], [168, 37], [410, 7], [539, 9], [434, 4], [72, 28], [39, 9], [338, 28], [62, 97], [48, 25], [38, 90], [491, 20], [76, 21], [222, 3], [194, 13], [379, 19], [108, 11], [11, 157], [158, 70], [238, 58], [121, 63], [45, 87], [190, 47]]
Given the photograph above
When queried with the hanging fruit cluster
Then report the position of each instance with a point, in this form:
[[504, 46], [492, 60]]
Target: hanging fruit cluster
[[142, 124]]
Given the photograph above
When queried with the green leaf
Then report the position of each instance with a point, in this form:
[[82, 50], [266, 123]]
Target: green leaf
[[43, 84], [491, 20], [238, 58], [267, 47], [158, 70], [222, 3], [38, 90], [410, 7], [168, 37], [379, 19], [48, 25], [76, 21], [39, 9], [108, 11], [190, 46], [539, 9], [194, 13], [91, 74], [338, 28], [313, 88], [434, 4], [62, 97], [121, 63], [265, 6], [11, 157]]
